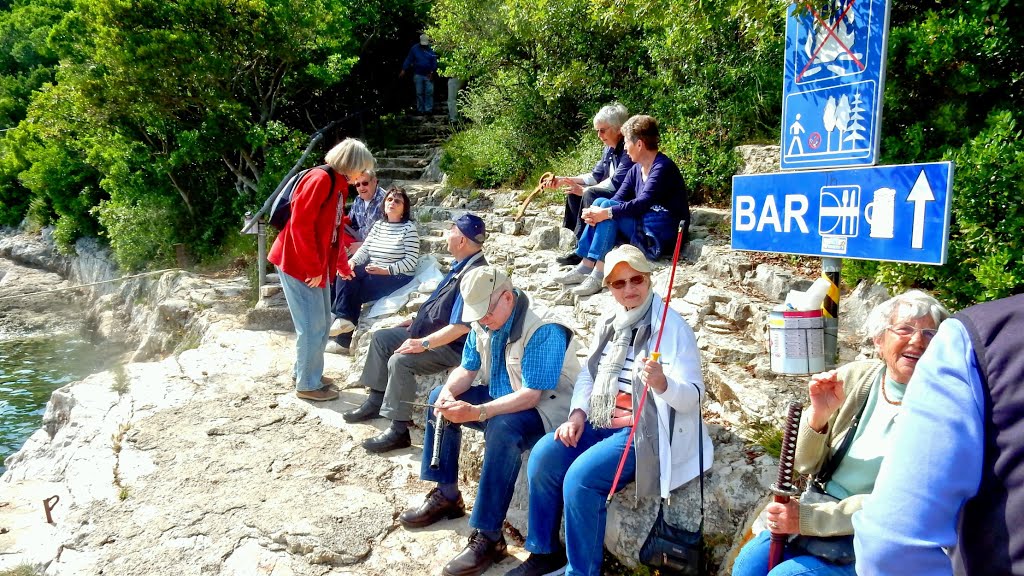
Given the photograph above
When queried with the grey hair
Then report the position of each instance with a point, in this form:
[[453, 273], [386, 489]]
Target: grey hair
[[907, 306], [349, 156], [612, 115], [372, 173]]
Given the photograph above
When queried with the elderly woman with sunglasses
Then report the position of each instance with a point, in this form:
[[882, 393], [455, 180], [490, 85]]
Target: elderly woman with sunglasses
[[571, 470], [843, 437], [385, 262]]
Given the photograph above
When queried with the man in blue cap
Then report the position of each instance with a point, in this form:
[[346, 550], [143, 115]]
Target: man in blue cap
[[430, 343]]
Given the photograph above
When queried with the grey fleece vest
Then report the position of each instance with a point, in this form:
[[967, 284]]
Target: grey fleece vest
[[554, 404]]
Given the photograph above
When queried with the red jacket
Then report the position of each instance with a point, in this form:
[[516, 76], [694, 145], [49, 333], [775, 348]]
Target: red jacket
[[303, 249]]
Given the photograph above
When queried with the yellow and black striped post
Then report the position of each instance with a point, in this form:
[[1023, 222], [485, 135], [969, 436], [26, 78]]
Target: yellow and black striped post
[[831, 270]]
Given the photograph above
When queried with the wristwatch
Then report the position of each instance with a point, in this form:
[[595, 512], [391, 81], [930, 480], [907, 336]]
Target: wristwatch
[[425, 344]]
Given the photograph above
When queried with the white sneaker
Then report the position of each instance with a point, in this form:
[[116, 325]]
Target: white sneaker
[[589, 287], [574, 277], [335, 348], [341, 326]]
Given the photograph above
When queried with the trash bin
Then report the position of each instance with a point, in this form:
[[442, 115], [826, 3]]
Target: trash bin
[[796, 342]]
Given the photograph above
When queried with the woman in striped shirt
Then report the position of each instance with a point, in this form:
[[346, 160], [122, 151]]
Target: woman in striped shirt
[[384, 263]]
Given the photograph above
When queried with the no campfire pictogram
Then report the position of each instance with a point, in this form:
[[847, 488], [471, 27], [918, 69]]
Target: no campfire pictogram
[[830, 34]]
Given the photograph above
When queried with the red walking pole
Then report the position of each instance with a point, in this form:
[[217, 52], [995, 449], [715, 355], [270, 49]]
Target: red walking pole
[[655, 355]]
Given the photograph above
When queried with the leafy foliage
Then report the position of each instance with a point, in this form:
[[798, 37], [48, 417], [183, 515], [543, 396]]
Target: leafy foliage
[[152, 123], [542, 69]]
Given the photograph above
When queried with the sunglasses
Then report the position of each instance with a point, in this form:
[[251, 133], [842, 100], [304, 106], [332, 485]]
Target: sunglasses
[[361, 184], [908, 331], [395, 199], [633, 281]]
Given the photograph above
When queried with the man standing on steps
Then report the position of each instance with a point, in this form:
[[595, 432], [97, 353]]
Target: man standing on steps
[[428, 344], [526, 365], [422, 60]]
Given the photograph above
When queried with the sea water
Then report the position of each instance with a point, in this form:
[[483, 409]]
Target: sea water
[[31, 368]]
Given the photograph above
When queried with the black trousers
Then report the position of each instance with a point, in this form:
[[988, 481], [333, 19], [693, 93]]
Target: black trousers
[[574, 205]]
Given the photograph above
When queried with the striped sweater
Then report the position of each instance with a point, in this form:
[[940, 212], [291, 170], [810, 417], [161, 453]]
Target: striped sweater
[[394, 245]]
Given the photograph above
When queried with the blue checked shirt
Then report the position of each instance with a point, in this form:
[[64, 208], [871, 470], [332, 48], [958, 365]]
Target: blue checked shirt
[[542, 358], [364, 213]]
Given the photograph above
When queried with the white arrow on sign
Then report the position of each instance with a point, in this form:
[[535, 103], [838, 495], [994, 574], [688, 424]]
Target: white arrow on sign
[[919, 194]]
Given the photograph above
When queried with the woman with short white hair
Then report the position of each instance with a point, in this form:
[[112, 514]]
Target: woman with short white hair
[[308, 254], [603, 180], [844, 436]]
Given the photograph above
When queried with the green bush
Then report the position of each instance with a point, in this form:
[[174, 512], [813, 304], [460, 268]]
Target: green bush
[[481, 156], [141, 233]]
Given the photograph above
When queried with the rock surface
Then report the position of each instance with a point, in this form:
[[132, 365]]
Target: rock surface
[[196, 458]]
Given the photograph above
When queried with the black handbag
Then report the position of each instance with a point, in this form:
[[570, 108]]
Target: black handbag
[[669, 548]]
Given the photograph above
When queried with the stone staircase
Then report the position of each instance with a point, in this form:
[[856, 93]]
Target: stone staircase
[[415, 156]]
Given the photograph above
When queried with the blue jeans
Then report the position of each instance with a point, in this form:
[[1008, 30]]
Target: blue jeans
[[363, 288], [311, 314], [576, 480], [753, 561], [424, 92], [506, 437], [599, 239]]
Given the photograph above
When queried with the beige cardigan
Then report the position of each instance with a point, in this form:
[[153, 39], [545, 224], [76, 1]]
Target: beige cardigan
[[812, 449]]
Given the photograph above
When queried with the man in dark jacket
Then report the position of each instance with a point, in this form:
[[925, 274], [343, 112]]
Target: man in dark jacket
[[422, 60], [428, 344]]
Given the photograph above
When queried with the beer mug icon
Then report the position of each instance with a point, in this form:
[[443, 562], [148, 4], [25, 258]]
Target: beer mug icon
[[879, 213]]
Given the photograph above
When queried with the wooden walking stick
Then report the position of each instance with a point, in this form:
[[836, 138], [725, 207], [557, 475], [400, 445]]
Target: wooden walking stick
[[544, 181], [656, 356], [783, 487]]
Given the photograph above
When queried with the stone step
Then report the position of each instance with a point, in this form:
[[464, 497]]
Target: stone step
[[399, 173], [270, 313], [402, 162], [406, 149], [269, 290]]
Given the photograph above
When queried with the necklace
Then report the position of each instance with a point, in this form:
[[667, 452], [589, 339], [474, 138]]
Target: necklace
[[886, 396]]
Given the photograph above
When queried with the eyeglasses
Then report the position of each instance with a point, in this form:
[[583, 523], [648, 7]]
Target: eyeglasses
[[601, 131], [361, 184], [395, 199], [493, 306], [633, 281], [908, 331]]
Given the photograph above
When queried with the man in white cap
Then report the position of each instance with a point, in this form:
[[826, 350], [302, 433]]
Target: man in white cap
[[526, 364], [422, 60]]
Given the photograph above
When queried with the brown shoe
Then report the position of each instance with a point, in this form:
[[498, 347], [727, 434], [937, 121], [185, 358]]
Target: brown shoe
[[435, 507], [321, 395], [477, 557]]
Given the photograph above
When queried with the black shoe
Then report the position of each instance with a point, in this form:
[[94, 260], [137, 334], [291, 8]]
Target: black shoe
[[570, 259], [435, 507], [387, 441], [366, 411], [477, 557], [541, 565]]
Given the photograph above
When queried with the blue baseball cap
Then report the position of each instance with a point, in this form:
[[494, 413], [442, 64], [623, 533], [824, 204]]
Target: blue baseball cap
[[472, 227]]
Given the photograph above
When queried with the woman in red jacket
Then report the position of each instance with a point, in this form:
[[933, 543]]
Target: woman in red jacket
[[308, 254]]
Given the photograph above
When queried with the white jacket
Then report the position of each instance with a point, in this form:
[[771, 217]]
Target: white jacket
[[681, 361]]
